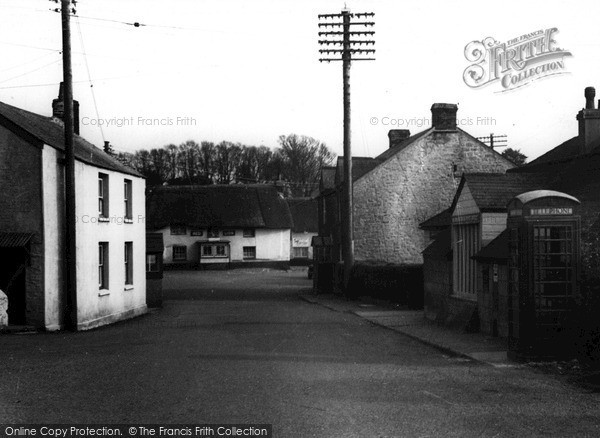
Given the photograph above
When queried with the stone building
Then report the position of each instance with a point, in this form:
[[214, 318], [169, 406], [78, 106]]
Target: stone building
[[413, 180], [220, 226], [478, 287], [110, 230]]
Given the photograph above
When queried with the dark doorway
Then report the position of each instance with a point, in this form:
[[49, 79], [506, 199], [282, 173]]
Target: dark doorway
[[13, 264]]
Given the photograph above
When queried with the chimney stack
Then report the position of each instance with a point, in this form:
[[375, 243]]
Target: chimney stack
[[589, 123], [58, 109], [443, 116], [107, 147], [397, 136]]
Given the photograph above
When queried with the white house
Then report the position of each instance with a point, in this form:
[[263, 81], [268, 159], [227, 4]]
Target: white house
[[110, 230], [220, 225]]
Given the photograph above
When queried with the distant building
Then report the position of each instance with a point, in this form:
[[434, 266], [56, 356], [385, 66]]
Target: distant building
[[111, 282], [305, 214], [220, 225]]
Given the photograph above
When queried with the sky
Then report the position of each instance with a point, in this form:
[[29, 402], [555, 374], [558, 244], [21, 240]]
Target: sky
[[248, 71]]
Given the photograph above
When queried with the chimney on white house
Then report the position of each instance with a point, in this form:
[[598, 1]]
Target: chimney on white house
[[589, 122], [58, 109], [443, 116], [397, 136]]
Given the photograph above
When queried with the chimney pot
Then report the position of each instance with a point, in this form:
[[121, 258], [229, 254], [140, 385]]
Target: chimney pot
[[590, 93], [397, 136], [443, 116]]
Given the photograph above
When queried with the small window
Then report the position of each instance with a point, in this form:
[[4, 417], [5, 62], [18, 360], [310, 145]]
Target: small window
[[196, 232], [228, 232], [249, 232], [128, 262], [127, 198], [213, 233], [178, 230], [300, 252], [103, 195], [103, 265], [151, 263], [179, 253], [221, 250], [249, 252], [207, 250]]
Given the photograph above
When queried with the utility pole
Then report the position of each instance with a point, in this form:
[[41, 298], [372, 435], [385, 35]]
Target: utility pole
[[344, 50], [70, 296], [493, 141]]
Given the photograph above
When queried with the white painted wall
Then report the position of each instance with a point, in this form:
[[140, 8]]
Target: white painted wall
[[271, 244], [53, 190], [492, 224], [97, 307], [303, 240]]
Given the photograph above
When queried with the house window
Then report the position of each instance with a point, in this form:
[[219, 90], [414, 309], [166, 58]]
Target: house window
[[178, 230], [127, 199], [214, 250], [103, 265], [103, 195], [249, 252], [249, 232], [151, 263], [228, 232], [300, 252], [213, 233], [196, 232], [466, 244], [128, 262], [179, 253]]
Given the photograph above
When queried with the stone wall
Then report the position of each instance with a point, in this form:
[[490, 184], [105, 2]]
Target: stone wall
[[415, 184]]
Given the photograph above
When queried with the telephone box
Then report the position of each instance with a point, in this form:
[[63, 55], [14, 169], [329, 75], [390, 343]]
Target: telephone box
[[323, 266], [544, 229]]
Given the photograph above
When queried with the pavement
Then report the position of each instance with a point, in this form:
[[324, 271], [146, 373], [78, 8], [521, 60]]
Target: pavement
[[412, 323]]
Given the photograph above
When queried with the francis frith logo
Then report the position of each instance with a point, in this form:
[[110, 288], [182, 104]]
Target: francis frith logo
[[516, 62]]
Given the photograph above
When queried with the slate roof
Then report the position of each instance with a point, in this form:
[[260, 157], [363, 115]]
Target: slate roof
[[390, 152], [496, 250], [226, 206], [440, 220], [305, 215], [51, 132], [493, 191], [441, 247], [360, 166]]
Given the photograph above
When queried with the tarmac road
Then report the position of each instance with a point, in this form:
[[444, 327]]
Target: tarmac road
[[241, 347]]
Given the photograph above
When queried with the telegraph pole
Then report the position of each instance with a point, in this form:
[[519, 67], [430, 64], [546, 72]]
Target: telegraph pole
[[70, 296], [498, 141], [347, 48]]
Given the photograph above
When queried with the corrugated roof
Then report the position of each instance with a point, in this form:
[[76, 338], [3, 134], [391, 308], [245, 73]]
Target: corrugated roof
[[493, 191], [227, 206], [154, 242], [496, 250], [51, 132], [14, 240], [305, 215]]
